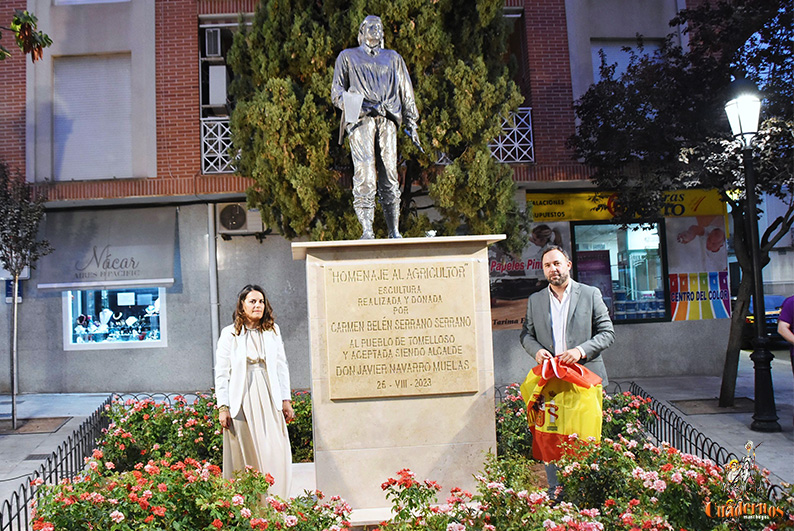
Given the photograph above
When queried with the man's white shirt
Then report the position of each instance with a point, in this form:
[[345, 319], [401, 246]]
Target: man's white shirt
[[559, 319]]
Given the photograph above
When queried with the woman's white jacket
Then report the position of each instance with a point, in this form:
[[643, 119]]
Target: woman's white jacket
[[231, 364]]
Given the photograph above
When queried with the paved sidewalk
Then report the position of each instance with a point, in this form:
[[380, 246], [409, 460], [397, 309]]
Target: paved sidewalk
[[775, 451], [21, 454]]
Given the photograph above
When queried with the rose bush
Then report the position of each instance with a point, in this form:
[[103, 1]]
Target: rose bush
[[301, 435], [497, 505], [180, 495], [513, 437], [143, 429], [625, 413]]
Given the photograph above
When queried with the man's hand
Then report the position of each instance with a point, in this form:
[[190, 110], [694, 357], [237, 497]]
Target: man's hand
[[541, 355], [570, 356]]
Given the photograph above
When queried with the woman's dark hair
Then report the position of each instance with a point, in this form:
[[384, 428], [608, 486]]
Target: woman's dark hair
[[268, 317]]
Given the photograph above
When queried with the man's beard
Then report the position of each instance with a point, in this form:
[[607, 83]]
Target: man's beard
[[561, 280]]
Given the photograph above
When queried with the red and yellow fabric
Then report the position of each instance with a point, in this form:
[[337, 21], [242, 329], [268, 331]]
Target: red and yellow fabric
[[561, 400]]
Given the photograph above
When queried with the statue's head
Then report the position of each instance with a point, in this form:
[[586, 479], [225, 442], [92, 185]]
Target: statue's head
[[370, 32]]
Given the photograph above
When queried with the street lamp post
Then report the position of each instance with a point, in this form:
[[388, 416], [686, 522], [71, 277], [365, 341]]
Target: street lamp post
[[743, 112]]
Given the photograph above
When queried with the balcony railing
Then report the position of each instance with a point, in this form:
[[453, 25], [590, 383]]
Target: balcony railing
[[216, 141], [513, 146]]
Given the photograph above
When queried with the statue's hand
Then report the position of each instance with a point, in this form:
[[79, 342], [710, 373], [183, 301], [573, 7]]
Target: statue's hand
[[414, 134], [373, 109]]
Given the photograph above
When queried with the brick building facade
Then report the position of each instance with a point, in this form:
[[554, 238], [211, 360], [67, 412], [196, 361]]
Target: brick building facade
[[163, 56]]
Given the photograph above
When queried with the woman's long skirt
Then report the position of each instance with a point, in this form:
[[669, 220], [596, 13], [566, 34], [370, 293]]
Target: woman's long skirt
[[258, 437]]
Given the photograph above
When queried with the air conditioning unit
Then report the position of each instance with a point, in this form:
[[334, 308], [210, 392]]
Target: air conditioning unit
[[235, 219], [212, 42]]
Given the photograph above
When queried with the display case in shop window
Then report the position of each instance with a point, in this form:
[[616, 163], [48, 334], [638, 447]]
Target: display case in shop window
[[97, 318], [625, 263], [640, 290]]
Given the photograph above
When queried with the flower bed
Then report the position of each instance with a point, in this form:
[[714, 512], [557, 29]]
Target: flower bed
[[654, 488], [157, 469], [145, 429], [178, 495]]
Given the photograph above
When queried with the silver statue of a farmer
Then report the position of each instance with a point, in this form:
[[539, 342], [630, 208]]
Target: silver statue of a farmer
[[372, 87]]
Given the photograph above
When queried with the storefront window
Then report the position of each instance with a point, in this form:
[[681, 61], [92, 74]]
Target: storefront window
[[129, 317], [626, 265]]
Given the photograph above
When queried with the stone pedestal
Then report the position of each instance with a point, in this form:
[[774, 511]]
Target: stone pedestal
[[402, 362]]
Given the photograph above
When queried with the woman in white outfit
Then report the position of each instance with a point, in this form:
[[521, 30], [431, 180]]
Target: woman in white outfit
[[253, 392]]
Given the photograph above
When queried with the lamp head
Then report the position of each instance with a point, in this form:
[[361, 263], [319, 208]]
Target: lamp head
[[743, 110]]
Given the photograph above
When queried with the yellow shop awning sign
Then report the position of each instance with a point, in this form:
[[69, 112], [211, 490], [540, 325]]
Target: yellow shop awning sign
[[580, 207]]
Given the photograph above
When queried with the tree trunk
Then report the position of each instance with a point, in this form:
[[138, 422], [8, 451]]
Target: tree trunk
[[741, 307], [412, 174], [731, 367]]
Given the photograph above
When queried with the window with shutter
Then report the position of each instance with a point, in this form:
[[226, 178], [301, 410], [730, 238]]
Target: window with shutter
[[92, 113]]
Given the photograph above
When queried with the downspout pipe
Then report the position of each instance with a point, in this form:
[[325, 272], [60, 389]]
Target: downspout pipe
[[212, 255]]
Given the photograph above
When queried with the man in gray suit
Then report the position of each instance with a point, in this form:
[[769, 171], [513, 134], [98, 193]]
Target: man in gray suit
[[586, 329], [569, 321]]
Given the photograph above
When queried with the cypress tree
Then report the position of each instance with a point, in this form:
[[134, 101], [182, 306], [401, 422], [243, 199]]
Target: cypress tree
[[285, 129]]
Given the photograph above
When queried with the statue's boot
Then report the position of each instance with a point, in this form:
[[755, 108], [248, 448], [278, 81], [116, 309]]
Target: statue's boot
[[392, 214], [365, 217]]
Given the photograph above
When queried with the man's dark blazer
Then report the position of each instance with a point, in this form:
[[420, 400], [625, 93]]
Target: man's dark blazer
[[588, 326]]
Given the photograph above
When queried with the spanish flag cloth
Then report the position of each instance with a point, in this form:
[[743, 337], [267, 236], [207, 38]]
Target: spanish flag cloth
[[561, 400]]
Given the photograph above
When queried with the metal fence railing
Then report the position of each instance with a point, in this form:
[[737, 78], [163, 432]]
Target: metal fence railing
[[161, 398], [65, 462], [671, 428], [68, 460]]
